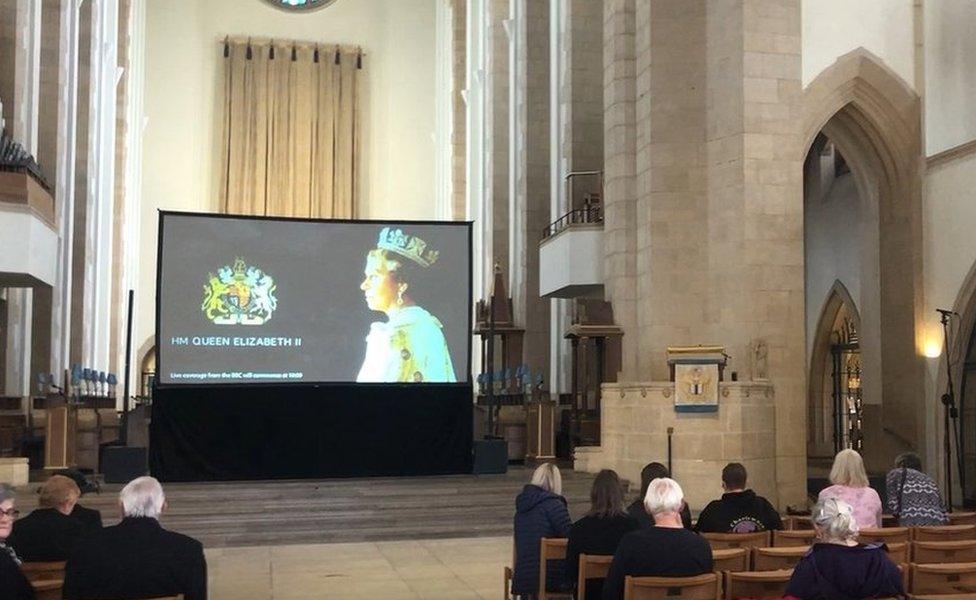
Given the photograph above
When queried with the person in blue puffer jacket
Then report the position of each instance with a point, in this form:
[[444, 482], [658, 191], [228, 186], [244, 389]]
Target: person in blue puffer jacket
[[540, 511]]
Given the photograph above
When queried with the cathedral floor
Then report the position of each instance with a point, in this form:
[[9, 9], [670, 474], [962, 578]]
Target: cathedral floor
[[456, 569]]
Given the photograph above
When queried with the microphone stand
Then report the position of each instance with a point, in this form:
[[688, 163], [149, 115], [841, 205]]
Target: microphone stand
[[951, 413]]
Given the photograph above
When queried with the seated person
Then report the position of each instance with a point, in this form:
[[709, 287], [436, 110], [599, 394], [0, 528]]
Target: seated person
[[649, 473], [912, 495], [13, 583], [137, 558], [540, 512], [739, 510], [90, 517], [837, 566], [49, 533], [665, 550], [600, 530]]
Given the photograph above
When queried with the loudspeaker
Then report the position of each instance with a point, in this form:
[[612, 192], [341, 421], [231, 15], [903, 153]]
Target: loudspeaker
[[122, 464], [490, 456]]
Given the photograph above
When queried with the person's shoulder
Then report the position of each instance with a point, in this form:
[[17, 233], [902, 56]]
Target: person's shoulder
[[182, 541]]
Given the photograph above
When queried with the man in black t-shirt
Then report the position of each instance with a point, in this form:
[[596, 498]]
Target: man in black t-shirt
[[739, 510], [665, 550]]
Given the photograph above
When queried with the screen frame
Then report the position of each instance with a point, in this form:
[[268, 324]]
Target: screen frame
[[162, 214]]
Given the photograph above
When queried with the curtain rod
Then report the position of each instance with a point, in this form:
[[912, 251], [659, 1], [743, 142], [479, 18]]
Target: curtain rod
[[295, 44]]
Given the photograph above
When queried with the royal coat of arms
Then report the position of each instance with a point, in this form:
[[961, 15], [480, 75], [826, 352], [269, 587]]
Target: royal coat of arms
[[239, 295]]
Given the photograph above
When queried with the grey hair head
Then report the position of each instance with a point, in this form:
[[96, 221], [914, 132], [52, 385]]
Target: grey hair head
[[834, 520], [6, 492], [142, 497], [908, 460]]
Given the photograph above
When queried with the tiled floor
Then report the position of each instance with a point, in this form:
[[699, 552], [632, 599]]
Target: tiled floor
[[455, 569]]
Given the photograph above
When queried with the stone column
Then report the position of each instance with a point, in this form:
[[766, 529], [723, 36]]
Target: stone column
[[497, 109], [619, 143], [458, 106], [530, 173]]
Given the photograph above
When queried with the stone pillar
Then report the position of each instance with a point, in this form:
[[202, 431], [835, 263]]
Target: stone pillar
[[530, 173], [715, 192], [619, 143], [497, 109], [64, 182], [458, 106]]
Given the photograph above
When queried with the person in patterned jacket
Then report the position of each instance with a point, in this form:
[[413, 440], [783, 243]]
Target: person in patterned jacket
[[912, 495]]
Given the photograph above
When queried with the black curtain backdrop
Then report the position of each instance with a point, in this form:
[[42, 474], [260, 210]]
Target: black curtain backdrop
[[293, 432]]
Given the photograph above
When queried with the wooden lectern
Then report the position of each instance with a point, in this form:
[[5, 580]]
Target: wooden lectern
[[60, 435]]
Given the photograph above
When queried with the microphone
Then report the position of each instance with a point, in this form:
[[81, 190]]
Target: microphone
[[946, 313]]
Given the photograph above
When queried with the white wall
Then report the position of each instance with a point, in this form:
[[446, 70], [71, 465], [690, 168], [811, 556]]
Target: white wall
[[832, 28], [950, 79], [182, 86]]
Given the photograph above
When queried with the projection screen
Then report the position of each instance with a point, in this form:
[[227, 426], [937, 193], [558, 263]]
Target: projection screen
[[267, 300]]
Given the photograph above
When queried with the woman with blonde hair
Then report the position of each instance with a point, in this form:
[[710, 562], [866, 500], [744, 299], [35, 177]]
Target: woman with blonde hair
[[540, 512], [837, 567], [850, 483]]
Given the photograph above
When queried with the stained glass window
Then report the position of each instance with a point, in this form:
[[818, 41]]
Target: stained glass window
[[300, 4]]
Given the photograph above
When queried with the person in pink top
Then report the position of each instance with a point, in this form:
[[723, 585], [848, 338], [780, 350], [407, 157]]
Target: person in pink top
[[850, 484]]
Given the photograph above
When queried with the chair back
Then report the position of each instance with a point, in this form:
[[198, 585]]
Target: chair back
[[953, 551], [591, 566], [730, 559], [719, 541], [34, 571], [798, 522], [47, 589], [898, 552], [962, 518], [795, 537], [947, 578], [889, 521], [883, 534], [757, 584], [777, 558], [549, 549], [944, 533], [699, 587]]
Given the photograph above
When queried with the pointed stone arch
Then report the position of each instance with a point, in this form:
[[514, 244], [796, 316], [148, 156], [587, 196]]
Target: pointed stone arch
[[874, 118], [837, 304]]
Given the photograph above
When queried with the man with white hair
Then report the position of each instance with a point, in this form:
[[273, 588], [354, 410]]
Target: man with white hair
[[665, 550], [137, 558]]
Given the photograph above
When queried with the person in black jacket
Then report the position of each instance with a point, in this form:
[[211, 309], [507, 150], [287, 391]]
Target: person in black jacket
[[89, 516], [540, 511], [649, 473], [600, 530], [137, 558], [13, 584], [740, 510], [665, 550], [49, 533]]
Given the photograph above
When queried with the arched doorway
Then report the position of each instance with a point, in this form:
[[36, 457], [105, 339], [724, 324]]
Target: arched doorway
[[862, 131], [835, 398]]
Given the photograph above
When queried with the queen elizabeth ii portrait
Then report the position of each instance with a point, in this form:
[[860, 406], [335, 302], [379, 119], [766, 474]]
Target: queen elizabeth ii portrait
[[409, 345]]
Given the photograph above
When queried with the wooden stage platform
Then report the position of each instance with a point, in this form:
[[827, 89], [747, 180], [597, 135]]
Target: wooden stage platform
[[224, 514]]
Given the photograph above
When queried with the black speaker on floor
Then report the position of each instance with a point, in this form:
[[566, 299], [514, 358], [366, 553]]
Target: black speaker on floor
[[122, 464], [490, 456]]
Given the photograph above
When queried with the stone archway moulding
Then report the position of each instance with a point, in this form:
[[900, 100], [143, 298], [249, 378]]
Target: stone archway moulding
[[874, 118]]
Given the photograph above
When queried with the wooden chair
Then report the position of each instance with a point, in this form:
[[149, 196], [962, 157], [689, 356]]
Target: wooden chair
[[887, 535], [719, 541], [944, 533], [549, 549], [47, 589], [777, 558], [507, 575], [952, 551], [591, 566], [34, 571], [962, 518], [889, 521], [940, 597], [947, 578], [795, 537], [699, 587], [730, 559], [898, 552], [757, 584], [800, 522]]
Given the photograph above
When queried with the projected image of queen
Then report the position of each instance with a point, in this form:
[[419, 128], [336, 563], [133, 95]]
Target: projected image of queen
[[409, 346]]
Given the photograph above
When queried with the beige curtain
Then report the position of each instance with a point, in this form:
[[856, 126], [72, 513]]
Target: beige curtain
[[289, 129]]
